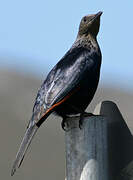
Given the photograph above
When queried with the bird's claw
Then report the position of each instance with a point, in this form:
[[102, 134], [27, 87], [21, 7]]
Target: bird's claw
[[81, 120], [64, 124]]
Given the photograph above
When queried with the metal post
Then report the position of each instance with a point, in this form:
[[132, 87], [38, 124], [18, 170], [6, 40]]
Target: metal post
[[86, 149], [120, 142], [102, 148]]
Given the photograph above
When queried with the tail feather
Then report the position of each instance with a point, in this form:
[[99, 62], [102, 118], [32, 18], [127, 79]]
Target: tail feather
[[29, 134]]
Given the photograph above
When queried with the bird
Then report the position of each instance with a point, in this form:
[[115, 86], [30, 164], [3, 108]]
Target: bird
[[70, 86]]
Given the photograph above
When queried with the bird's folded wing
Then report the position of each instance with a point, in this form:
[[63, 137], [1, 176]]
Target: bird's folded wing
[[70, 80], [62, 81]]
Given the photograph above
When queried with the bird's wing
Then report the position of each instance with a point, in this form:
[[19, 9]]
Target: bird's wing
[[62, 81]]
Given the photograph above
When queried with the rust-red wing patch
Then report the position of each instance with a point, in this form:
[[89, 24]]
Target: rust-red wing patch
[[58, 103]]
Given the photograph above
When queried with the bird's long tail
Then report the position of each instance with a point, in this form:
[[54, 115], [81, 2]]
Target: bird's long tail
[[29, 134]]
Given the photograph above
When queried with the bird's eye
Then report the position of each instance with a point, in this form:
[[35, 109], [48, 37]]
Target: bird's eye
[[85, 19]]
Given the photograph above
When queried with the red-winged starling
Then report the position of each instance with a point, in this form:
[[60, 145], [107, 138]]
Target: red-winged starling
[[71, 84]]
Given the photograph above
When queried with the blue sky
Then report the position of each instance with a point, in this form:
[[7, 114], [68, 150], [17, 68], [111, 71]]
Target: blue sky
[[34, 35]]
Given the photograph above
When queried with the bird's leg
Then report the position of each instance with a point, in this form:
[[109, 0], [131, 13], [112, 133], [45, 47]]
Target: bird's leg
[[82, 115], [81, 120], [64, 124], [65, 120]]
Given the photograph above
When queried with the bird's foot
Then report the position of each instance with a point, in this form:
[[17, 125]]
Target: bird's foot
[[82, 115], [65, 121], [64, 124]]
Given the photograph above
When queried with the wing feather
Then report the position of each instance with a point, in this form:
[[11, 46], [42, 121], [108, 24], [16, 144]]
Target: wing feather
[[62, 79]]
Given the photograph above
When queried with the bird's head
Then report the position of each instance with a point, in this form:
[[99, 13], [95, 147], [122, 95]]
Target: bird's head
[[90, 25]]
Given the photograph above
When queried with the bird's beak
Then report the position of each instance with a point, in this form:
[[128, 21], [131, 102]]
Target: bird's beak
[[98, 14], [95, 16]]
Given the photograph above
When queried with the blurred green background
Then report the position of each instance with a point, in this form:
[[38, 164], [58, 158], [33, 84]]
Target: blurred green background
[[34, 35]]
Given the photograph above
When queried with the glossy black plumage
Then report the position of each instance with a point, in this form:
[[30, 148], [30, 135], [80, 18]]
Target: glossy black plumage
[[78, 69], [70, 85]]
